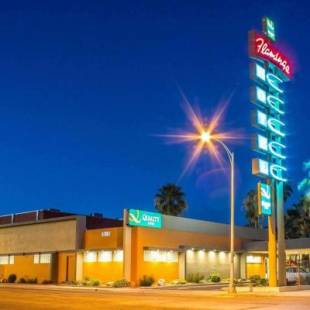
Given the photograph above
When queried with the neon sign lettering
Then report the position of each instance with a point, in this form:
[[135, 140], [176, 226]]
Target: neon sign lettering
[[274, 102], [274, 82], [275, 126], [261, 47], [272, 147], [276, 172], [275, 149]]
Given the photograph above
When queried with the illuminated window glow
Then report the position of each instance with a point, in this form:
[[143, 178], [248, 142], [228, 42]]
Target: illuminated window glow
[[90, 257], [160, 256], [251, 259], [44, 258], [118, 256], [105, 256], [7, 259]]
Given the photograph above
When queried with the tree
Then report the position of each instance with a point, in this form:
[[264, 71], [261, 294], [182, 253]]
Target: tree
[[297, 219], [304, 185], [287, 192], [251, 209], [170, 200], [250, 205]]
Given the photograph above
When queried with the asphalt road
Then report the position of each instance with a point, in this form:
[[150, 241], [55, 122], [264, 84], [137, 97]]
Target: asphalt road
[[34, 299]]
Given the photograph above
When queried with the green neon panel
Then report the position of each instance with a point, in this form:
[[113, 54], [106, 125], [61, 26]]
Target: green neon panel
[[144, 219]]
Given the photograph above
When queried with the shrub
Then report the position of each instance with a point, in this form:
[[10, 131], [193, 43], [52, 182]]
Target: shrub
[[255, 279], [214, 277], [94, 282], [47, 282], [121, 283], [194, 277], [32, 281], [178, 281], [21, 280], [263, 282], [12, 278], [146, 281]]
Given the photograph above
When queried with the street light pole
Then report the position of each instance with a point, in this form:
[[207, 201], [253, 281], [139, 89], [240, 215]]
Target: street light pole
[[231, 158]]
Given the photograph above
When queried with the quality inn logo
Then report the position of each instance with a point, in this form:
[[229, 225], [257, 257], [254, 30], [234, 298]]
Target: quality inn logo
[[135, 216], [144, 218]]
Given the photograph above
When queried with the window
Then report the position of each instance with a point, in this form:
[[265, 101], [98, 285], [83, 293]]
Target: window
[[42, 258], [105, 256], [160, 256], [90, 257], [7, 259], [36, 258], [11, 259], [250, 259], [118, 256], [45, 258]]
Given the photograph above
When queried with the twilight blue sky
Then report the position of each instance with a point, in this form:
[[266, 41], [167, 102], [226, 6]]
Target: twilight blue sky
[[84, 85]]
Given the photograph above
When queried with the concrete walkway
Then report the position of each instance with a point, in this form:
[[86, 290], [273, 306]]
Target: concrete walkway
[[48, 297]]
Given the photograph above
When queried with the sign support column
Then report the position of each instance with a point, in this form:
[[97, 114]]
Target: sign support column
[[281, 236], [272, 242]]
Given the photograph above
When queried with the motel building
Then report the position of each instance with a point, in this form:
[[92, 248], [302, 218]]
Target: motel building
[[59, 247]]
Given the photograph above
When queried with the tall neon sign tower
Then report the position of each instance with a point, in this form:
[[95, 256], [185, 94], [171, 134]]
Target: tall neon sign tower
[[269, 70]]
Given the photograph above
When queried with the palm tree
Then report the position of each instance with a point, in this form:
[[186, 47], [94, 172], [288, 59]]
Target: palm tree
[[170, 200], [287, 192], [297, 220], [251, 208]]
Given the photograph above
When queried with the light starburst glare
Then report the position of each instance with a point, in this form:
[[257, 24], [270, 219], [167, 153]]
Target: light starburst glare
[[203, 135]]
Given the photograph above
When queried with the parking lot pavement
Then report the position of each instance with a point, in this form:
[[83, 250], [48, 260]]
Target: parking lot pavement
[[31, 298]]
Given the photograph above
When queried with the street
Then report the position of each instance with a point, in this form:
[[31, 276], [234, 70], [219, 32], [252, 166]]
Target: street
[[48, 298]]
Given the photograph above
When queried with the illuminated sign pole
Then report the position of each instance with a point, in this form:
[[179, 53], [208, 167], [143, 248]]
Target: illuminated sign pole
[[269, 70]]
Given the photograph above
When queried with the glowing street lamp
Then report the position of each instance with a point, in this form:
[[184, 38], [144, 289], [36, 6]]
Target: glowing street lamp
[[207, 137]]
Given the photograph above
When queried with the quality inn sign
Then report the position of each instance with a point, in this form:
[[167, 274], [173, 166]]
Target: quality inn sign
[[141, 218]]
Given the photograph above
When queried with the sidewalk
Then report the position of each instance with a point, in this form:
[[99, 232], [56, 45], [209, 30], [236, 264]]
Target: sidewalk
[[151, 291]]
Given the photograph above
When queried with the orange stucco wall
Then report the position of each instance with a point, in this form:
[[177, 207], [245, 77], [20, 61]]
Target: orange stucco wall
[[256, 269], [167, 239], [104, 272], [95, 239], [24, 267]]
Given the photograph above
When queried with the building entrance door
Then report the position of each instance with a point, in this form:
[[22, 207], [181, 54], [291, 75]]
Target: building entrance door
[[66, 267], [70, 268]]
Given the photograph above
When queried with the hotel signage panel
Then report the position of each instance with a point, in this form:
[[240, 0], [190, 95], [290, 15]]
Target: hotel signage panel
[[263, 48], [269, 70], [141, 218], [264, 198]]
